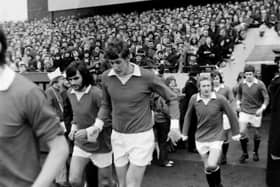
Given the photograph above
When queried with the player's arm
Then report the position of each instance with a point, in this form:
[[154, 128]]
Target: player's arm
[[45, 125], [188, 115], [54, 162], [231, 116]]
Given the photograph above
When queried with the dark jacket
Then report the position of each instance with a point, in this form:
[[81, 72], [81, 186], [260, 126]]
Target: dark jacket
[[161, 114], [273, 166], [206, 55], [67, 113], [189, 89]]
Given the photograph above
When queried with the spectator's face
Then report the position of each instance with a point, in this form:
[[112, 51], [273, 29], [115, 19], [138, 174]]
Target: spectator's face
[[181, 47], [76, 81], [150, 44], [216, 80], [57, 57], [222, 32], [17, 60], [75, 54], [86, 55], [39, 65], [205, 88], [138, 58], [64, 44], [208, 40], [86, 60], [205, 32], [165, 41], [67, 55], [22, 68], [38, 57], [172, 84], [101, 56], [160, 55], [48, 62], [29, 58], [87, 46], [168, 50], [60, 83], [96, 49], [139, 39]]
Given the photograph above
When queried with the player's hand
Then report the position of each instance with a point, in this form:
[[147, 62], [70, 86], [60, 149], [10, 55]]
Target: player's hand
[[275, 157], [238, 108], [92, 133], [236, 137], [259, 112], [81, 135], [184, 138], [72, 133], [174, 136]]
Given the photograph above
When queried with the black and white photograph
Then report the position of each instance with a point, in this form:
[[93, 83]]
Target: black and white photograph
[[140, 93]]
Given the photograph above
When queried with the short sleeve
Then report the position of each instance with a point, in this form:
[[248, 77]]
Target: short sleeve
[[40, 116]]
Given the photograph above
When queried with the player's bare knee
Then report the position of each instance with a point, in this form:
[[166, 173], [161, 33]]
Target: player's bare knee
[[105, 182], [211, 168]]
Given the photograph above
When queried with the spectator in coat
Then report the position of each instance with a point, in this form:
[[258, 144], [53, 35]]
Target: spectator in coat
[[206, 53], [189, 89], [273, 156]]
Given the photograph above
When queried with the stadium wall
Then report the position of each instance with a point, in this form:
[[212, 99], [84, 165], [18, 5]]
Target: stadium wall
[[38, 9]]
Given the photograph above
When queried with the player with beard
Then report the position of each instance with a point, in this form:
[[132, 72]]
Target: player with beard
[[85, 99]]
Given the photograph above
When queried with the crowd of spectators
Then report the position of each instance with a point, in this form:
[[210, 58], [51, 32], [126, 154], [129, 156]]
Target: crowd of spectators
[[167, 39]]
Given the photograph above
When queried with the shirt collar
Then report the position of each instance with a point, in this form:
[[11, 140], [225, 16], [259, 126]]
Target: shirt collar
[[213, 96], [219, 87], [136, 71], [254, 81], [84, 92], [6, 78]]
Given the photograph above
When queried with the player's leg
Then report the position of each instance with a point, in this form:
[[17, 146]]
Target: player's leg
[[226, 126], [78, 163], [213, 162], [243, 125], [105, 173], [256, 124]]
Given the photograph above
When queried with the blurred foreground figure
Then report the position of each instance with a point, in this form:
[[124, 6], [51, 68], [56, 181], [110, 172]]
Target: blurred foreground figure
[[85, 98], [26, 119], [273, 158]]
